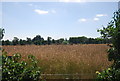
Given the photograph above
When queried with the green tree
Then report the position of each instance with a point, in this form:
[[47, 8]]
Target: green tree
[[1, 36], [112, 31], [49, 40], [82, 39], [72, 40], [53, 41], [22, 42], [2, 31], [38, 40], [6, 42], [78, 40], [15, 41], [61, 40], [29, 41]]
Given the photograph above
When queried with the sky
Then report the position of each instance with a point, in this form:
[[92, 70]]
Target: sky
[[55, 19]]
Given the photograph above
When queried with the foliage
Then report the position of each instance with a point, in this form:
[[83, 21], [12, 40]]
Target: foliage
[[65, 42], [15, 41], [110, 74], [1, 33], [49, 40], [13, 69], [38, 40], [77, 40], [1, 36], [112, 31]]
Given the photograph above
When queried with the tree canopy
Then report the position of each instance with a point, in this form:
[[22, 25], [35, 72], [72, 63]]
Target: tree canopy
[[112, 31], [38, 40]]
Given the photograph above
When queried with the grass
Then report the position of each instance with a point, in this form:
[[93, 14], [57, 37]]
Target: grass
[[82, 59]]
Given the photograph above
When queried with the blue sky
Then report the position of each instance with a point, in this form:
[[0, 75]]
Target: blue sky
[[55, 19]]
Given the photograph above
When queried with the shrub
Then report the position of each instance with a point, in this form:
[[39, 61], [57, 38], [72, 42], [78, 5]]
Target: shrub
[[65, 42], [13, 69], [112, 32], [110, 74]]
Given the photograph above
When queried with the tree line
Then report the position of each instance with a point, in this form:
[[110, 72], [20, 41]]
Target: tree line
[[38, 40]]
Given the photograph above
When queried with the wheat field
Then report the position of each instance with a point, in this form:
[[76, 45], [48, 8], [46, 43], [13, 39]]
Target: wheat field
[[79, 61]]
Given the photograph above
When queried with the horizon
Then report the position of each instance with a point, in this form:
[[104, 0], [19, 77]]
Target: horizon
[[54, 19], [51, 38]]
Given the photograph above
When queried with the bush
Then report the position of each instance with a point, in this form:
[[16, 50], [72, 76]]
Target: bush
[[13, 69], [112, 32], [110, 74], [65, 42]]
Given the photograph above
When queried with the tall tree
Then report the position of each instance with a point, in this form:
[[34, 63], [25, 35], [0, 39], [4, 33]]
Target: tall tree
[[22, 42], [38, 40], [15, 41], [53, 41], [2, 31], [29, 41], [6, 42], [112, 31], [49, 40]]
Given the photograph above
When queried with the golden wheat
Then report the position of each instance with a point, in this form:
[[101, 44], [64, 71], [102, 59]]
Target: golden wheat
[[84, 59]]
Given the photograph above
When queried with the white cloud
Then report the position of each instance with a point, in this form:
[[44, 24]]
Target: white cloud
[[82, 20], [96, 19], [101, 15], [41, 11]]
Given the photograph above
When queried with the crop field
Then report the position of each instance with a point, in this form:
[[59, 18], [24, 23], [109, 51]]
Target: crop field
[[66, 61]]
